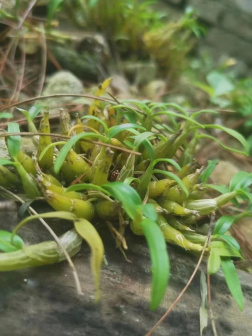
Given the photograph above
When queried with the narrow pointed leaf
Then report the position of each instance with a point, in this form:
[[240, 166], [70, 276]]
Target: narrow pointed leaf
[[6, 245], [126, 195], [241, 180], [55, 214], [14, 141], [35, 110], [233, 133], [221, 188], [213, 263], [224, 250], [232, 281], [208, 171], [170, 161], [113, 131], [230, 241], [173, 177], [96, 119], [231, 149], [149, 211], [174, 114], [159, 260], [5, 115], [66, 148], [223, 224], [5, 162], [86, 186], [87, 231]]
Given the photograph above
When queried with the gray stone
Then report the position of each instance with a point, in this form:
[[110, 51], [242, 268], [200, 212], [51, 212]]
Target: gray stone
[[43, 301], [4, 153], [62, 82], [154, 90], [227, 43], [236, 24], [208, 11], [244, 5]]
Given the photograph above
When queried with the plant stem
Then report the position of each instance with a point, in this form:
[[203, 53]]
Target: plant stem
[[68, 258]]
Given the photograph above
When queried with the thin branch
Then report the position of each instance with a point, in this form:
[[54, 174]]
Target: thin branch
[[4, 59], [189, 281], [68, 137], [44, 59], [21, 77], [68, 258], [57, 96], [29, 8]]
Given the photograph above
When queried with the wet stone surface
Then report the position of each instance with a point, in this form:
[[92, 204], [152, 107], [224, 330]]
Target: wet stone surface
[[43, 301]]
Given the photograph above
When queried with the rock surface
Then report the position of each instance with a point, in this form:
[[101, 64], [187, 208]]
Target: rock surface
[[62, 82], [43, 301]]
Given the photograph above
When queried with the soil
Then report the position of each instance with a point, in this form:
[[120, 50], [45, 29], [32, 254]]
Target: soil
[[44, 301]]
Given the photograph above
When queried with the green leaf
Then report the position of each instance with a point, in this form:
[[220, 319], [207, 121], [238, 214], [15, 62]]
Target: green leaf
[[221, 188], [4, 162], [223, 224], [204, 87], [241, 180], [35, 110], [170, 161], [131, 117], [52, 8], [165, 105], [233, 133], [174, 114], [224, 250], [55, 214], [14, 141], [31, 126], [113, 131], [5, 115], [23, 210], [96, 119], [128, 196], [245, 195], [6, 245], [230, 241], [149, 211], [213, 263], [159, 260], [232, 281], [129, 180], [208, 171], [86, 186], [87, 231], [66, 148], [231, 149], [194, 115], [173, 177], [142, 138], [92, 3], [220, 83], [53, 144]]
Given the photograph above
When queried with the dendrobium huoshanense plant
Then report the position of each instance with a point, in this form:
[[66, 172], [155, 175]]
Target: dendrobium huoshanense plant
[[122, 164]]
